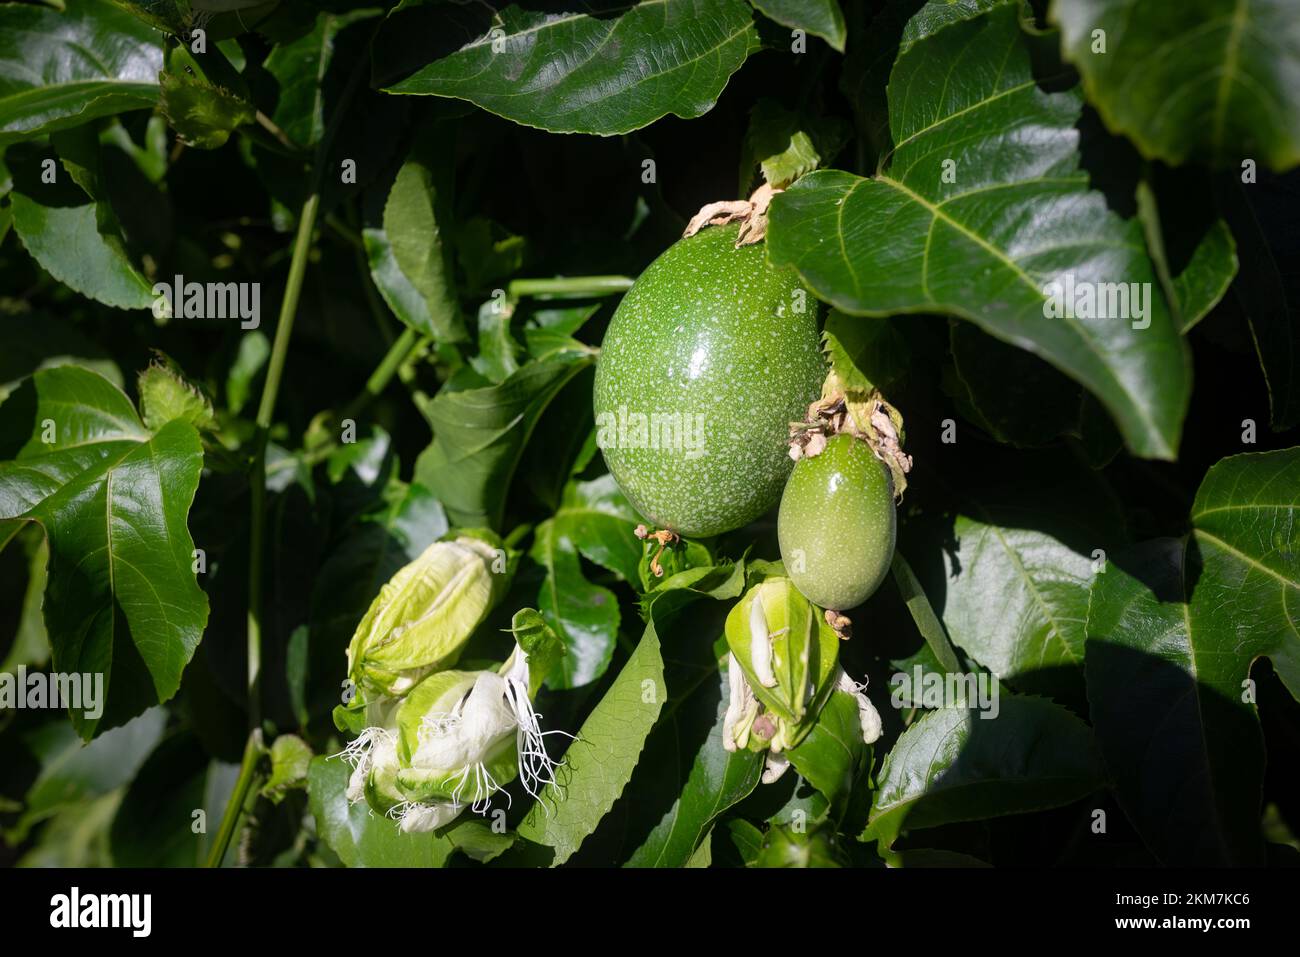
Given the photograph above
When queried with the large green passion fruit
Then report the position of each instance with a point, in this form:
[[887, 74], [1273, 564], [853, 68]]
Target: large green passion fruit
[[837, 524], [709, 357]]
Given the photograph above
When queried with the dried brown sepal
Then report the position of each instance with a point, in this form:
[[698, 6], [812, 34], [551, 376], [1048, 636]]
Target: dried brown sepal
[[865, 416], [750, 213], [664, 537], [840, 624]]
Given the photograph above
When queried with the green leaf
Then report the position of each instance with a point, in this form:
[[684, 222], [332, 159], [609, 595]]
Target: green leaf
[[830, 756], [203, 115], [866, 353], [584, 615], [600, 521], [986, 246], [82, 249], [254, 350], [1016, 598], [599, 763], [608, 73], [299, 65], [716, 779], [155, 826], [23, 572], [821, 18], [787, 144], [1208, 80], [746, 838], [415, 218], [72, 772], [359, 837], [479, 435], [1205, 279], [955, 765], [59, 69], [922, 612], [1183, 620], [290, 762], [399, 292], [937, 15], [498, 352], [122, 598]]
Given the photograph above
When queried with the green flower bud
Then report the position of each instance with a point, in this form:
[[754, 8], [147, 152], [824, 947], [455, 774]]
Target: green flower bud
[[423, 616], [782, 667], [458, 737]]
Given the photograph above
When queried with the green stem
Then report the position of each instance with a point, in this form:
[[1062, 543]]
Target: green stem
[[570, 286], [265, 413], [384, 372], [253, 751]]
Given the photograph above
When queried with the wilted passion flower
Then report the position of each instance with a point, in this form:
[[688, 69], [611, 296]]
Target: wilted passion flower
[[458, 737], [783, 666], [424, 614]]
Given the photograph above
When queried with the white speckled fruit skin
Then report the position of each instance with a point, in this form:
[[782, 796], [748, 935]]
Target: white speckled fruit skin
[[710, 329], [837, 524]]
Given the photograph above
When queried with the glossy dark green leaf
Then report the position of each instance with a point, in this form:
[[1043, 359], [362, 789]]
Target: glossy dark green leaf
[[830, 756], [82, 249], [585, 616], [936, 16], [61, 68], [600, 762], [1019, 579], [1206, 278], [122, 598], [358, 836], [716, 780], [1206, 275], [956, 765], [981, 208], [414, 230], [1204, 80], [23, 578], [601, 523], [1173, 630], [612, 71], [821, 18], [479, 435]]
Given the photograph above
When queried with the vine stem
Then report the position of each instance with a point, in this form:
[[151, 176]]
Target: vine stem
[[576, 286], [402, 347], [265, 413], [253, 751]]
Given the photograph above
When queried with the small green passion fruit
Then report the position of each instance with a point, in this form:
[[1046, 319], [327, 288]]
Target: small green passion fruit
[[708, 358], [837, 524]]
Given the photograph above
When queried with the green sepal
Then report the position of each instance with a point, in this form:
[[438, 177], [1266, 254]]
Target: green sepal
[[539, 641], [805, 652]]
